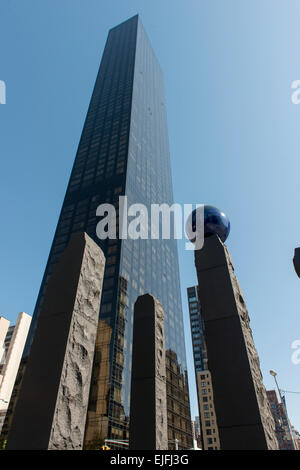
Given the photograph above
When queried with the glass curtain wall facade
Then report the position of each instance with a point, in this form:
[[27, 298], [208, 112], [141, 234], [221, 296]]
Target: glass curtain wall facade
[[197, 330], [124, 151]]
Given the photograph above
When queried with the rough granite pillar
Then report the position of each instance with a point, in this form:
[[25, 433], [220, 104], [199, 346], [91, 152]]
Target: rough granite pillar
[[148, 403], [242, 409], [51, 409]]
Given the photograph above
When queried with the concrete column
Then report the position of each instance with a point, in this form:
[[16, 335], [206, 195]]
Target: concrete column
[[148, 404], [242, 409], [51, 409]]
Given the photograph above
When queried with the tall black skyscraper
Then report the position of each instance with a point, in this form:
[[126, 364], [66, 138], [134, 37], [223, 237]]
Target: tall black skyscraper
[[124, 150]]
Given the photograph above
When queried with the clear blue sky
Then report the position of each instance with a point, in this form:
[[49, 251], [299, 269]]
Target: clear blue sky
[[233, 130]]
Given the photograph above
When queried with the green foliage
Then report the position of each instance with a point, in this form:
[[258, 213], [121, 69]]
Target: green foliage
[[3, 441]]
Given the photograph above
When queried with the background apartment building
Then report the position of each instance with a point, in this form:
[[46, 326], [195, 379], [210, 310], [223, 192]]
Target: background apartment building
[[12, 341], [207, 416]]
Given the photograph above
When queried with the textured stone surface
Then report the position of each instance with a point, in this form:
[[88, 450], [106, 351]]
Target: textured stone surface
[[262, 400], [72, 400], [52, 405], [160, 379], [148, 406], [242, 409]]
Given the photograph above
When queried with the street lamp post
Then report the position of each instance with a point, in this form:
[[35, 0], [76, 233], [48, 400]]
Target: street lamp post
[[274, 374]]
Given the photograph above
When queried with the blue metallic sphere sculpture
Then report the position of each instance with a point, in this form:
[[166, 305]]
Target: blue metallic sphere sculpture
[[215, 223]]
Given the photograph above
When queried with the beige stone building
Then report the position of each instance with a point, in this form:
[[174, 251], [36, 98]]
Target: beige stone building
[[210, 433], [12, 342], [4, 325]]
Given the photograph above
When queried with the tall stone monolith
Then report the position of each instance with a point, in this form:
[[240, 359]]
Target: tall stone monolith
[[148, 403], [242, 409], [51, 409]]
